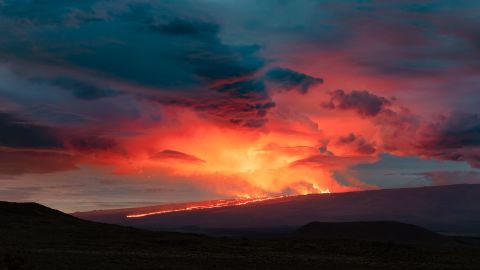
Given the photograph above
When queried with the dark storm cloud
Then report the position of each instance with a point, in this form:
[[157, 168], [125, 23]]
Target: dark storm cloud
[[246, 89], [456, 137], [248, 99], [457, 130], [18, 133], [92, 143], [362, 102], [247, 110], [184, 27], [216, 61], [357, 143], [150, 45], [153, 47], [83, 89], [32, 12], [238, 112], [28, 147], [209, 57], [288, 79]]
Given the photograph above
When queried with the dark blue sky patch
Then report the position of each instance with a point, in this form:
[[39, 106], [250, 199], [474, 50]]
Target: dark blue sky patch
[[394, 171]]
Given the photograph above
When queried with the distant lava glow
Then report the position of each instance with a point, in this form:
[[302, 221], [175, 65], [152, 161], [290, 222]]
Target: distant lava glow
[[213, 204], [238, 163]]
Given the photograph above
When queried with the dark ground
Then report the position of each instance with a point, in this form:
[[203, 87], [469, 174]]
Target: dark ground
[[36, 237]]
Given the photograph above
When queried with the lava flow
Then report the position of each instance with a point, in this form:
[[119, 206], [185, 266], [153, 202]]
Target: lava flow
[[214, 204]]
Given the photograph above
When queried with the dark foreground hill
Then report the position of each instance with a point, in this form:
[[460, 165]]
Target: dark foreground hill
[[35, 237], [454, 209]]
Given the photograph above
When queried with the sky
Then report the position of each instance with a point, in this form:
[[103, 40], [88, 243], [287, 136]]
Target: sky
[[123, 103]]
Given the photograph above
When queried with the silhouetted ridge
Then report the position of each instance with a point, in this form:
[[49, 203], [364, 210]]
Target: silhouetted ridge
[[32, 224], [17, 214]]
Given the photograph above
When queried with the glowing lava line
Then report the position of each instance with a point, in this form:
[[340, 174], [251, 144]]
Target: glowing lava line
[[222, 203]]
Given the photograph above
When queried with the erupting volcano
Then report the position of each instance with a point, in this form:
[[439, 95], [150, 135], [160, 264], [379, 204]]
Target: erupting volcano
[[212, 115], [210, 204]]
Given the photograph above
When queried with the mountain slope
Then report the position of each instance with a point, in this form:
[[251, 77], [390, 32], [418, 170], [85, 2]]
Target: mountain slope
[[383, 231], [454, 209]]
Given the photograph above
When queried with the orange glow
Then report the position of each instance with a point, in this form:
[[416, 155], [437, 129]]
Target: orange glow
[[213, 204], [239, 162]]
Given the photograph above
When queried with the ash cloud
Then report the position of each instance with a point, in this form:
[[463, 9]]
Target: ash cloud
[[290, 79], [357, 143], [456, 137], [363, 102]]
